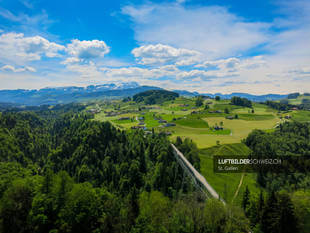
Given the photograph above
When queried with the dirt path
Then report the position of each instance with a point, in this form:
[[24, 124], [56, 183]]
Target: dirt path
[[239, 186]]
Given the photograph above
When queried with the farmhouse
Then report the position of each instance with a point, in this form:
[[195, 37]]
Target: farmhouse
[[169, 125], [93, 110], [124, 118], [110, 114]]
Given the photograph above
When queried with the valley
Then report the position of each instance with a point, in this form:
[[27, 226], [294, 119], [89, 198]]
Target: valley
[[217, 129]]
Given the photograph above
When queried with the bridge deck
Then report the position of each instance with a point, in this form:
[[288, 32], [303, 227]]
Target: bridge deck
[[196, 174]]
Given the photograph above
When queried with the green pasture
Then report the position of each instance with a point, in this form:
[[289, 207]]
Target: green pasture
[[226, 184], [301, 116], [149, 119], [234, 130], [255, 117], [192, 122]]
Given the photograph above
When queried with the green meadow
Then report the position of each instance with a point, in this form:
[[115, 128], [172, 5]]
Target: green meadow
[[230, 186], [195, 122], [302, 116]]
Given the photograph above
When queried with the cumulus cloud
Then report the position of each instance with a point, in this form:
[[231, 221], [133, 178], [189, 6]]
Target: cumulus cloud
[[198, 75], [86, 50], [233, 64], [17, 70], [89, 70], [170, 72], [211, 30], [140, 73], [162, 54], [19, 49]]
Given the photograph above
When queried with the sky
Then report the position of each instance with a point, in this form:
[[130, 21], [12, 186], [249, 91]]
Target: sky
[[209, 46]]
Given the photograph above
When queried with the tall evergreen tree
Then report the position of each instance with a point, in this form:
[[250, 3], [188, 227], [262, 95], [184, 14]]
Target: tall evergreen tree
[[246, 198], [270, 216], [288, 220]]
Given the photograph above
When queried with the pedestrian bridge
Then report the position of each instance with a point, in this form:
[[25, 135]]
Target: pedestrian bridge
[[199, 181]]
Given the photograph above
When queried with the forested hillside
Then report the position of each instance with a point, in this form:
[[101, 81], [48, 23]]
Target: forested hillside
[[61, 171], [286, 207], [155, 96]]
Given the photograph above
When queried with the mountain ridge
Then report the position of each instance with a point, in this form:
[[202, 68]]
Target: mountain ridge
[[62, 95]]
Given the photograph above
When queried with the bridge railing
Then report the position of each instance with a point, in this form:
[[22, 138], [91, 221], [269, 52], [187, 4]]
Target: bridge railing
[[197, 176]]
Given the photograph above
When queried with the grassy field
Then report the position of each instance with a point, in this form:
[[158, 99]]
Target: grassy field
[[256, 117], [149, 120], [198, 127], [239, 129], [184, 131], [302, 116], [102, 117], [192, 122], [226, 184]]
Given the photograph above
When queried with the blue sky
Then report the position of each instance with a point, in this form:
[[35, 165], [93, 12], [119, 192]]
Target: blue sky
[[207, 46]]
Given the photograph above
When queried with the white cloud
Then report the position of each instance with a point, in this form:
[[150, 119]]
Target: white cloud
[[32, 24], [86, 50], [211, 30], [206, 75], [170, 72], [213, 43], [19, 49], [139, 73], [17, 70], [301, 70], [27, 4], [234, 64], [89, 70], [225, 39], [162, 54]]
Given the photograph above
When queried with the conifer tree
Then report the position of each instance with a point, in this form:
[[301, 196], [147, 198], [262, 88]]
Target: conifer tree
[[246, 198]]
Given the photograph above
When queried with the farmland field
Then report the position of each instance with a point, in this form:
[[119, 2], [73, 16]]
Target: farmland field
[[302, 116], [200, 125], [226, 184]]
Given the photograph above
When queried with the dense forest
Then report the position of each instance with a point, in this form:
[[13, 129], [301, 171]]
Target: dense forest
[[155, 96], [235, 100], [61, 171], [282, 106], [286, 207]]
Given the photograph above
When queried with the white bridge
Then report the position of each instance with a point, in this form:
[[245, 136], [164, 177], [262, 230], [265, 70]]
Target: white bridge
[[198, 180]]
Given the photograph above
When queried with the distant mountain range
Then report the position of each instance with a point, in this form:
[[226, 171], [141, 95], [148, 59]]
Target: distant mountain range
[[256, 98], [62, 95]]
